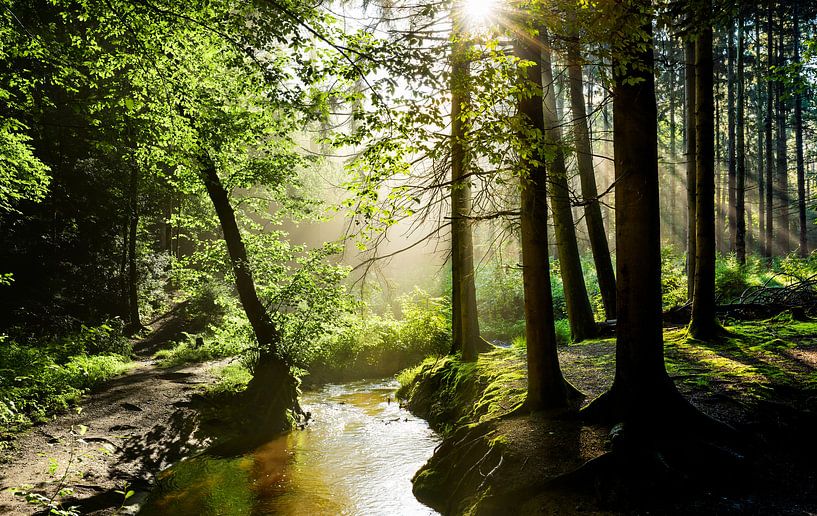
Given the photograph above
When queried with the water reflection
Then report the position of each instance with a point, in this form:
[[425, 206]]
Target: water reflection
[[357, 456]]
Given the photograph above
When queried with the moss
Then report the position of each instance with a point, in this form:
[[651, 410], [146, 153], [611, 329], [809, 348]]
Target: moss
[[750, 364], [448, 392]]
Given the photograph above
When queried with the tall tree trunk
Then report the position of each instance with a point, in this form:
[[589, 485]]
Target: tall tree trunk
[[740, 155], [781, 222], [465, 323], [592, 208], [798, 137], [123, 271], [546, 385], [720, 226], [691, 156], [673, 177], [771, 186], [703, 324], [273, 389], [579, 312], [761, 186], [134, 321], [642, 392], [730, 120]]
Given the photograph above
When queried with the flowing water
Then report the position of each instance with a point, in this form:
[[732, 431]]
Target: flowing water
[[356, 456]]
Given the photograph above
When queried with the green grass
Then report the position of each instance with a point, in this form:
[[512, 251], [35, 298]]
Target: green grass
[[231, 378], [186, 351]]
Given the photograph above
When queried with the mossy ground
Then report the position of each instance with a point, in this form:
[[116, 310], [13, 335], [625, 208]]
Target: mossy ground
[[762, 380]]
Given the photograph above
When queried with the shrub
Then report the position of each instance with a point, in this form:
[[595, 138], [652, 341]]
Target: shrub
[[563, 335], [500, 301], [673, 277], [731, 278], [369, 345], [36, 381]]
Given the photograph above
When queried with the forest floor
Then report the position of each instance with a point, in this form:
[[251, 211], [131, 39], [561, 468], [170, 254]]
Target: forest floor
[[762, 381], [114, 442]]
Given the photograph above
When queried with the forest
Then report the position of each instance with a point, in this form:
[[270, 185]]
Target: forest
[[408, 257]]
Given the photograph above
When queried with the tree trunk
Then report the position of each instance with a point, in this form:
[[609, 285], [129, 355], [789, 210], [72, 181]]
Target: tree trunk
[[761, 186], [272, 392], [691, 154], [465, 324], [781, 222], [730, 120], [798, 137], [579, 312], [740, 155], [672, 187], [134, 322], [703, 324], [642, 392], [592, 209], [720, 225], [546, 385], [768, 246], [123, 271]]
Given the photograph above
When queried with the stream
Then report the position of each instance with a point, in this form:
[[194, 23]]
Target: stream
[[356, 456]]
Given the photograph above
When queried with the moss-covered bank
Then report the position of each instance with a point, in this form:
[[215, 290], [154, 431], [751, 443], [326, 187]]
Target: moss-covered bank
[[762, 381]]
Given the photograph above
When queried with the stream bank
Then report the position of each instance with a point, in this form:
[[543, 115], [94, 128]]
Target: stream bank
[[356, 456], [116, 440], [495, 459]]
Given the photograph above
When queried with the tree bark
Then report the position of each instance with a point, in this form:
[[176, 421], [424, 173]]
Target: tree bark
[[642, 392], [798, 138], [730, 120], [592, 209], [673, 176], [123, 271], [771, 186], [465, 323], [761, 186], [703, 324], [691, 156], [546, 385], [781, 222], [135, 324], [740, 154], [273, 389], [579, 312]]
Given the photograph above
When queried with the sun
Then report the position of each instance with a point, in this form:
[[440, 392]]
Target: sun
[[478, 14]]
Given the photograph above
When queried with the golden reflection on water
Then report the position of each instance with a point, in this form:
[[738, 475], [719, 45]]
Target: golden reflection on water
[[357, 456]]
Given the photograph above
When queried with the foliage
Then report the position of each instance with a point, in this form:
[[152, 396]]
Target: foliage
[[41, 379], [371, 345], [22, 175], [155, 271], [500, 301], [673, 277], [563, 335]]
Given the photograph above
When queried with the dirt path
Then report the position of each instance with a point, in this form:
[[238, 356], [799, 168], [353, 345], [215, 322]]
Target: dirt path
[[125, 432]]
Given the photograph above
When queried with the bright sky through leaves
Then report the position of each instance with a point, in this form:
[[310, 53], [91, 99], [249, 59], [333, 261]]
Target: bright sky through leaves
[[479, 14]]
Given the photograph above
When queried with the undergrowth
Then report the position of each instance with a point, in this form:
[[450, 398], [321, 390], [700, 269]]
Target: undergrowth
[[367, 344], [41, 378]]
